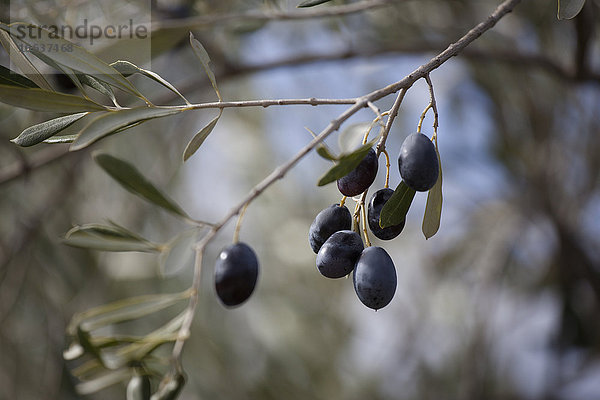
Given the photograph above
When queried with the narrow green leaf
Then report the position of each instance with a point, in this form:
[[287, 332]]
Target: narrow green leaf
[[70, 133], [132, 312], [568, 9], [311, 3], [98, 85], [11, 78], [22, 62], [324, 152], [123, 310], [199, 138], [69, 55], [396, 208], [72, 75], [61, 139], [137, 346], [45, 100], [351, 136], [83, 338], [433, 208], [115, 121], [132, 180], [108, 238], [102, 382], [126, 69], [178, 253], [345, 165], [202, 55], [38, 133]]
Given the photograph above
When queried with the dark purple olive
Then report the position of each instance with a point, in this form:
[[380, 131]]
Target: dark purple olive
[[339, 254], [376, 204], [236, 273], [326, 223], [418, 162], [360, 178], [374, 278]]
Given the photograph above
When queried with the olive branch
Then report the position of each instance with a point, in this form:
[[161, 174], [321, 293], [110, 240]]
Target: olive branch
[[113, 359]]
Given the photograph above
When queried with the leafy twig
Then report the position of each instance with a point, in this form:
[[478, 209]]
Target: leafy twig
[[402, 85]]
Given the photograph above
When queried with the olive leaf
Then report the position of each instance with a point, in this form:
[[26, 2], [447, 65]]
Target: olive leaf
[[395, 209], [123, 310], [326, 153], [345, 164], [61, 139], [132, 180], [127, 68], [76, 58], [118, 120], [22, 62], [351, 136], [568, 9], [200, 137], [45, 100], [311, 3], [135, 349], [108, 238], [38, 133], [103, 381], [202, 55], [433, 208], [11, 78], [99, 86]]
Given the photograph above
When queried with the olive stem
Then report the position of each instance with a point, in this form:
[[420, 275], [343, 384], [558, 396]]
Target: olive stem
[[364, 223], [238, 225], [343, 201], [387, 168], [420, 124], [433, 105], [368, 132], [356, 218]]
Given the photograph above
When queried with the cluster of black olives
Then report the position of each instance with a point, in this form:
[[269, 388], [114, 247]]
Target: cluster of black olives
[[340, 250]]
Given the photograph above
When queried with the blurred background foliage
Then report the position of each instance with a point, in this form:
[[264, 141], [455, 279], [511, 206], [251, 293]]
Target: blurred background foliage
[[503, 303]]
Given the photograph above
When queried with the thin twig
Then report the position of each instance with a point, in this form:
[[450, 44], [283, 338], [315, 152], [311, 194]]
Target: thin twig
[[388, 125], [205, 21], [44, 157], [452, 50], [268, 103], [509, 57], [433, 105]]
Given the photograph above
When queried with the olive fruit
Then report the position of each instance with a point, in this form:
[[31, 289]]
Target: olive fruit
[[374, 278], [376, 204], [418, 162], [236, 272], [339, 254], [360, 178], [326, 223]]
